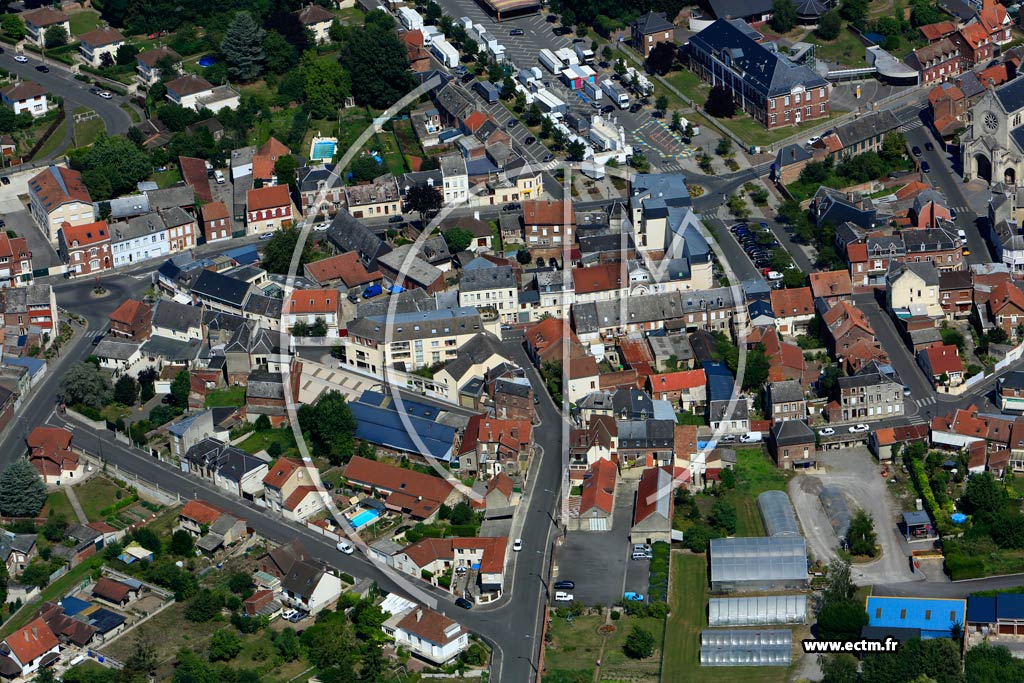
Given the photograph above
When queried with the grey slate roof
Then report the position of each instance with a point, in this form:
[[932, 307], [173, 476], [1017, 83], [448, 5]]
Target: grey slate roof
[[1011, 95], [924, 270], [179, 317], [719, 411], [414, 269], [263, 384], [867, 380], [478, 349], [788, 390], [417, 324], [738, 9], [652, 22], [221, 288], [928, 239], [348, 233], [769, 73], [867, 126], [792, 432], [646, 433], [115, 349], [179, 196], [482, 279]]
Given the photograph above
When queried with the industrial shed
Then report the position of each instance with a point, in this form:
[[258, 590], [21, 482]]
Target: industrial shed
[[930, 617], [746, 648], [757, 611], [758, 564], [778, 514]]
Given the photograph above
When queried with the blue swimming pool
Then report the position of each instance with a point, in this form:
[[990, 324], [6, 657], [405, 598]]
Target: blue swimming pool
[[363, 518], [207, 61], [324, 150]]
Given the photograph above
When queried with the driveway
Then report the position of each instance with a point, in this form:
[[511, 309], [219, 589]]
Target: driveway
[[598, 561], [43, 253], [855, 473]]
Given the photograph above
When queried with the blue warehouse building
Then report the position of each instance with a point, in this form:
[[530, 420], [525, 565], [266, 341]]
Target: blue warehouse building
[[919, 617]]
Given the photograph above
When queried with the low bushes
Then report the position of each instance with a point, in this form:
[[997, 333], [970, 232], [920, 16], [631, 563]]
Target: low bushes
[[657, 586]]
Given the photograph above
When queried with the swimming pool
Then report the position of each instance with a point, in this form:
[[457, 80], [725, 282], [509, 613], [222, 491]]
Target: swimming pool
[[324, 150], [207, 61], [363, 518]]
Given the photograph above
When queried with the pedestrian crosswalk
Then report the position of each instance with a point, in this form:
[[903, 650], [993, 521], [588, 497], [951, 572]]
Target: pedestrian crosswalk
[[912, 125], [922, 402]]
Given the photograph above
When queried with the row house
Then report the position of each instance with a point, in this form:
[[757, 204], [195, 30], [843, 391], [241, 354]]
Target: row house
[[939, 246], [956, 293], [491, 446], [913, 287], [486, 286], [832, 286], [996, 21], [321, 191], [863, 134], [268, 209], [974, 44], [31, 308], [15, 261], [942, 364], [794, 310], [152, 235], [293, 489], [786, 401], [57, 196], [686, 388], [598, 440], [1005, 308], [311, 306], [381, 197], [549, 226], [764, 83], [866, 398], [132, 320], [846, 327], [940, 61], [216, 222]]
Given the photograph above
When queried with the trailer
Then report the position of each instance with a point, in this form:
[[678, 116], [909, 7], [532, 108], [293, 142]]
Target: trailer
[[549, 61], [593, 91], [410, 18], [567, 56], [584, 54], [548, 103], [615, 93], [445, 53], [487, 90], [526, 76]]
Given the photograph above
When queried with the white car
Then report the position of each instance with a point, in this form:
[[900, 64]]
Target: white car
[[21, 59], [346, 547], [267, 236], [517, 545], [827, 431], [562, 596], [106, 95], [321, 227], [774, 275], [814, 138], [856, 429]]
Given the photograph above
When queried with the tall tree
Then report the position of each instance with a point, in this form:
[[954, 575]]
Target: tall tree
[[55, 36], [325, 85], [85, 384], [839, 669], [180, 388], [112, 166], [378, 63], [720, 103], [280, 55], [126, 390], [424, 200], [242, 48], [13, 26], [661, 59], [861, 537], [22, 491], [284, 169], [783, 15], [279, 249], [829, 25]]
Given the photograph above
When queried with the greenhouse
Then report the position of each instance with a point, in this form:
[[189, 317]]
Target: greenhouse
[[758, 564], [746, 648], [778, 514], [757, 611], [834, 503]]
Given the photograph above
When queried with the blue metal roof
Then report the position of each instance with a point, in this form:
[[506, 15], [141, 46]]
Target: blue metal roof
[[933, 616], [73, 605], [378, 422], [981, 610], [243, 255], [34, 365], [720, 381]]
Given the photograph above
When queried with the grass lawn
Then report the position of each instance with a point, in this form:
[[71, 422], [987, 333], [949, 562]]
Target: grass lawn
[[112, 412], [57, 503], [87, 131], [83, 22], [754, 133], [253, 656], [168, 631], [97, 493], [755, 474], [168, 178], [685, 622], [351, 15], [260, 441], [233, 396], [576, 646], [845, 49], [53, 142], [55, 591], [689, 83], [134, 115]]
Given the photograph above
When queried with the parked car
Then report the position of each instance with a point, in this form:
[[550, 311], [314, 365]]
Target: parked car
[[906, 390], [641, 547], [529, 140], [774, 275], [859, 428], [463, 603], [916, 151], [511, 206], [512, 123], [751, 437], [516, 32], [395, 219], [635, 597], [607, 109], [517, 545], [218, 175], [346, 547], [562, 30], [266, 236], [929, 146], [21, 59], [765, 226], [925, 168], [43, 69], [5, 180], [565, 585], [548, 157], [562, 596], [728, 438], [106, 95], [827, 431]]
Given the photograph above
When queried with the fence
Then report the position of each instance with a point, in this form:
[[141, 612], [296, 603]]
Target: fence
[[61, 115], [1012, 356]]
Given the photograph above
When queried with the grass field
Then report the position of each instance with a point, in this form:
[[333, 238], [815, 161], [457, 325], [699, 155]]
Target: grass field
[[168, 631], [576, 647], [260, 441], [57, 503], [845, 49], [685, 622], [95, 494], [755, 474], [53, 142], [756, 134], [87, 131], [232, 396], [689, 83], [83, 22]]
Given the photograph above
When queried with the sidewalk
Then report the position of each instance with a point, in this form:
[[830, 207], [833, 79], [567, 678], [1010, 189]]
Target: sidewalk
[[75, 505]]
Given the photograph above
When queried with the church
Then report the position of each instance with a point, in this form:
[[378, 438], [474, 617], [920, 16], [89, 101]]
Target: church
[[993, 145]]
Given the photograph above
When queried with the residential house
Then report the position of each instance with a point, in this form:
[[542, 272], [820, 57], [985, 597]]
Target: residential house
[[316, 20], [84, 248], [17, 551], [654, 507], [132, 320], [975, 44], [15, 261], [27, 650], [792, 444], [194, 92], [57, 196], [685, 388], [597, 496], [956, 293], [833, 286], [408, 270], [344, 271], [864, 134], [491, 446], [408, 491], [942, 363], [98, 48], [846, 327], [868, 397], [31, 310], [25, 97], [786, 401], [1010, 394], [427, 634], [321, 190], [278, 562], [229, 468], [794, 310], [148, 63], [1006, 309], [313, 308], [51, 454], [833, 207], [177, 321], [513, 399], [489, 287], [152, 235], [216, 222], [268, 209], [938, 246], [649, 30], [265, 158], [456, 180], [37, 21], [913, 287], [115, 592], [293, 490], [996, 21], [548, 226], [937, 62], [378, 198], [765, 83], [308, 586]]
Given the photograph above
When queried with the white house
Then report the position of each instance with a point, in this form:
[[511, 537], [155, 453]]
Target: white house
[[57, 196], [28, 649], [99, 47], [152, 235], [146, 68], [25, 96], [427, 634], [307, 586], [37, 21], [192, 92], [317, 20], [307, 306], [456, 179]]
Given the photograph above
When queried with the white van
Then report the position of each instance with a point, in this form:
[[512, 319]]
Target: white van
[[562, 596], [218, 175], [752, 437], [641, 555]]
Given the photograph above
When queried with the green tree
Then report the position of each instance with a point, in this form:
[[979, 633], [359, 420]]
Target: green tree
[[329, 642], [281, 56], [724, 147], [984, 494], [860, 536], [55, 36], [458, 239], [13, 26], [224, 645], [378, 63], [148, 539], [55, 528], [720, 102], [839, 587], [181, 543], [331, 426], [661, 59], [620, 66], [372, 666], [284, 169], [462, 514], [364, 168], [839, 669], [661, 103], [854, 11], [841, 621], [923, 12], [325, 85], [783, 15], [204, 606], [180, 388], [575, 150], [1007, 529], [85, 384], [111, 166], [22, 491], [988, 663], [126, 390], [639, 643], [126, 54], [287, 645], [147, 383], [424, 200], [639, 161], [279, 249], [829, 25], [723, 517], [727, 478], [242, 48]]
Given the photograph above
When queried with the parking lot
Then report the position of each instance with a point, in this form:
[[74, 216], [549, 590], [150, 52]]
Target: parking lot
[[599, 561]]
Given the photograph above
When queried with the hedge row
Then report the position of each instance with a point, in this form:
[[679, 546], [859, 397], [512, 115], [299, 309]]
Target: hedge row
[[119, 505], [924, 487]]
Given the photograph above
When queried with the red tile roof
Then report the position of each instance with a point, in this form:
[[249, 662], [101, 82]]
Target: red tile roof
[[603, 277], [56, 185], [501, 483], [599, 487], [130, 311], [997, 73], [975, 35], [193, 170], [215, 211], [430, 626], [44, 16], [281, 472], [267, 198], [792, 302], [111, 590], [387, 478], [313, 301], [32, 641], [648, 493], [493, 559], [677, 381], [151, 57], [548, 212], [857, 252], [49, 439], [298, 495], [87, 234], [475, 120], [514, 435], [944, 358], [101, 36], [200, 512], [25, 90], [938, 30], [1005, 294], [831, 283], [548, 332], [345, 267]]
